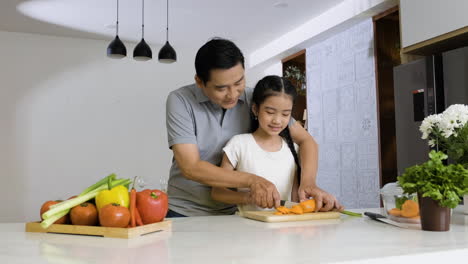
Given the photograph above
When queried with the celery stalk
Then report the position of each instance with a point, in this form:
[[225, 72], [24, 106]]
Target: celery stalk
[[46, 223], [99, 183], [351, 213], [68, 204]]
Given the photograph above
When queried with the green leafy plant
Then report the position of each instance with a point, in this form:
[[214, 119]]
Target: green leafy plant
[[294, 74], [443, 183]]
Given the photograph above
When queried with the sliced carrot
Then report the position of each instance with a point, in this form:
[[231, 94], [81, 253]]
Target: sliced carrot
[[283, 209], [297, 209], [410, 208], [308, 206], [278, 213], [394, 212]]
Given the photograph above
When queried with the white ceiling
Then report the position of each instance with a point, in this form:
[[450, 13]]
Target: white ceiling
[[250, 23]]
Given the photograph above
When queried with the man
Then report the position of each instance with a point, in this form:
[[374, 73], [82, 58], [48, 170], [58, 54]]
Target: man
[[202, 117]]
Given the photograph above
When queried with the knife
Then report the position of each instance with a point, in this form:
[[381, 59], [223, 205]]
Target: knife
[[287, 203], [383, 219]]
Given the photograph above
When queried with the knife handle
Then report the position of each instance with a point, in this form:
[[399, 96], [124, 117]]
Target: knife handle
[[374, 216]]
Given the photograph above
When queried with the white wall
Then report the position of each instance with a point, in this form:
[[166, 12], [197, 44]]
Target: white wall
[[425, 19], [69, 116]]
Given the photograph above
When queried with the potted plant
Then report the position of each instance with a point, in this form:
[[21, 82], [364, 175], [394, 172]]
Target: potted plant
[[297, 77], [449, 133], [439, 188]]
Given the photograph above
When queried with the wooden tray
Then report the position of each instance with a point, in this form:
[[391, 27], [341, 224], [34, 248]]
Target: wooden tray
[[100, 230], [268, 216]]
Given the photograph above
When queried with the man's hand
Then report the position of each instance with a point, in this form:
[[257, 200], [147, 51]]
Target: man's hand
[[324, 201], [264, 193]]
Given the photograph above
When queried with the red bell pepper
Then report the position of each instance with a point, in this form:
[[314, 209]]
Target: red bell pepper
[[152, 205]]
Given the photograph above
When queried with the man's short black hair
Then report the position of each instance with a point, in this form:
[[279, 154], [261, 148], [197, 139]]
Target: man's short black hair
[[217, 53]]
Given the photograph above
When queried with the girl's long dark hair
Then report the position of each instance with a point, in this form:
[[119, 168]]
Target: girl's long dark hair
[[273, 85]]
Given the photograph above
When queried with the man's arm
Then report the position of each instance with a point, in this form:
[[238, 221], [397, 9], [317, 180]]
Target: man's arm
[[226, 195], [264, 193], [308, 149]]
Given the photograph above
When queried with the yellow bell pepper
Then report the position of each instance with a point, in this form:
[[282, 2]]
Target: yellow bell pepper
[[118, 195]]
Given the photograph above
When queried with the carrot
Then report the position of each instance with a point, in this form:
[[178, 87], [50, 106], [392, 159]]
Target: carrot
[[394, 212], [283, 210], [308, 206], [297, 209], [278, 213], [138, 217], [132, 207], [410, 208]]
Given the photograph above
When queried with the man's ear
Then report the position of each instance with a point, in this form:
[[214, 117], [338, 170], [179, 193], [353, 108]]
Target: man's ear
[[199, 81]]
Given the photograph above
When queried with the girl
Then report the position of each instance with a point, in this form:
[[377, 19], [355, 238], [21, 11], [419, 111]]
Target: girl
[[269, 151]]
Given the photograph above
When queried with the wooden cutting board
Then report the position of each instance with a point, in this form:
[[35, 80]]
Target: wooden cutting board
[[268, 216], [100, 230]]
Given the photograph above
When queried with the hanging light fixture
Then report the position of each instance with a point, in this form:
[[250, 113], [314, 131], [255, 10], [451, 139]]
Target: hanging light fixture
[[167, 54], [142, 51], [116, 48]]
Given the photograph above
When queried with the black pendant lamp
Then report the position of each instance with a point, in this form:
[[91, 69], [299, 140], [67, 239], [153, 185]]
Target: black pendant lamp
[[167, 54], [142, 51], [116, 48]]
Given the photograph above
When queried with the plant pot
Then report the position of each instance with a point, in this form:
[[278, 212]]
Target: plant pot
[[433, 216]]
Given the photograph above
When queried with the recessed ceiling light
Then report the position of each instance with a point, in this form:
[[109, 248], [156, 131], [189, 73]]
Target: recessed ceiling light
[[281, 5]]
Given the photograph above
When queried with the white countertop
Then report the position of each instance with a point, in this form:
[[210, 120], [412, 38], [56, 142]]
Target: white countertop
[[233, 239]]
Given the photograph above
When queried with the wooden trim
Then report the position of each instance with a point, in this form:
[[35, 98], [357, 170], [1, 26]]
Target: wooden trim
[[376, 79], [290, 57], [385, 13], [416, 47]]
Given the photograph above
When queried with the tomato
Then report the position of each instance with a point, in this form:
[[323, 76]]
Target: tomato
[[45, 207], [114, 215], [152, 205], [84, 214]]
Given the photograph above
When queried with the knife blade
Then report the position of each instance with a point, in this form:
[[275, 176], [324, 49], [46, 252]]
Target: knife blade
[[287, 203], [383, 219]]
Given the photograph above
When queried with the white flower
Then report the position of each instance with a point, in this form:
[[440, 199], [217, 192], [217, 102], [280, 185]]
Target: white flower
[[428, 124], [448, 123]]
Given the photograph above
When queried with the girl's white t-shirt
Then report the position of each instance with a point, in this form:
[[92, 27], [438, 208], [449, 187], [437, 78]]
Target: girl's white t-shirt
[[278, 167]]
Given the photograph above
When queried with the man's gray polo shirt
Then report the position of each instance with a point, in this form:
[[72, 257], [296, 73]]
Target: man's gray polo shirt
[[191, 118]]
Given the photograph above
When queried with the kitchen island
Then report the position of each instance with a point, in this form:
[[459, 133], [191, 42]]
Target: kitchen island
[[233, 239]]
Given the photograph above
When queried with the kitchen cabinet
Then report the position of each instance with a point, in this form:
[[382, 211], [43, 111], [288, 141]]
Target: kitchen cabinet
[[432, 26]]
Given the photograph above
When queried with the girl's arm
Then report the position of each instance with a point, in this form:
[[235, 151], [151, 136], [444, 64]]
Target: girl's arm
[[226, 195]]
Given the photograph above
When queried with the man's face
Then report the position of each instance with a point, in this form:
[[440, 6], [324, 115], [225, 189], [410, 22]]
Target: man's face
[[225, 86]]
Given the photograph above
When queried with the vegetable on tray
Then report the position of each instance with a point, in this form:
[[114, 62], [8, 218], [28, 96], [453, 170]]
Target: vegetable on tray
[[61, 209]]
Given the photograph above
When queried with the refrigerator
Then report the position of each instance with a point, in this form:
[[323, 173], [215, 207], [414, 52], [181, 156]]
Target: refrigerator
[[421, 88]]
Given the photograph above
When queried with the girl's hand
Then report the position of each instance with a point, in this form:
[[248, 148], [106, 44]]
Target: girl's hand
[[324, 201]]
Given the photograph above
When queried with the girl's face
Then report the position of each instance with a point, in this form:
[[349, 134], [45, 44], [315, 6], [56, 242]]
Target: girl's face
[[274, 113]]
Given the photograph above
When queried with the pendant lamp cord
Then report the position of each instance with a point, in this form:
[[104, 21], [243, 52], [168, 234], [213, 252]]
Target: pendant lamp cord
[[117, 24], [167, 20], [143, 19]]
